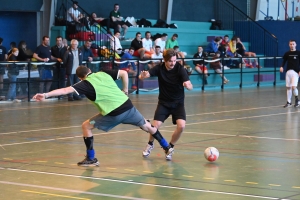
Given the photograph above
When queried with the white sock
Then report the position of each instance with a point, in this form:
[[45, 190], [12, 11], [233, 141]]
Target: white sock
[[295, 92], [289, 95]]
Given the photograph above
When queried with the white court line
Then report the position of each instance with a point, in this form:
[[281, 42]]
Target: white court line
[[137, 183], [68, 190], [222, 120]]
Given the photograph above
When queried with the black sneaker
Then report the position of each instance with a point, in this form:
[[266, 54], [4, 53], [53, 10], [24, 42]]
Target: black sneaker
[[287, 105], [88, 162], [296, 103]]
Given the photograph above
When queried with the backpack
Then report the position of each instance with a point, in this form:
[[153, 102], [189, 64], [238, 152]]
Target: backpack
[[144, 22], [161, 24]]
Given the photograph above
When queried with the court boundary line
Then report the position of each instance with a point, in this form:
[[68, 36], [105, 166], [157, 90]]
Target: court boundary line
[[144, 184]]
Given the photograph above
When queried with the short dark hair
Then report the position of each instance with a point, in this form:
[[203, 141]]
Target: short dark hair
[[217, 39], [147, 32], [116, 32], [168, 54], [82, 71], [59, 37], [116, 4], [156, 47], [1, 40], [75, 2], [44, 37], [176, 47], [164, 35], [175, 35], [13, 44], [226, 36], [131, 48], [138, 33]]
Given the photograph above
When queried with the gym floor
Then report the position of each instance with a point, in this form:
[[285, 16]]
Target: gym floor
[[258, 140]]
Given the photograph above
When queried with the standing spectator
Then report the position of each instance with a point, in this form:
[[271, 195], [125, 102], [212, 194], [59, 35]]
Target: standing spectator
[[172, 79], [74, 16], [87, 54], [3, 57], [72, 59], [161, 42], [12, 45], [213, 46], [115, 43], [65, 43], [113, 105], [117, 21], [130, 67], [24, 53], [137, 45], [156, 55], [43, 53], [217, 66], [200, 64], [292, 58], [147, 42], [12, 73], [59, 71], [172, 42]]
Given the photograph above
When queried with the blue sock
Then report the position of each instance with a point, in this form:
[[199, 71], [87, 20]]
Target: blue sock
[[164, 143], [90, 154]]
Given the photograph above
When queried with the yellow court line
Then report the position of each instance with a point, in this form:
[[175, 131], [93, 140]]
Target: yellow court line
[[297, 187], [168, 174], [253, 183], [208, 178], [131, 170], [7, 159], [148, 172], [274, 185], [59, 163], [188, 176], [41, 161], [229, 181], [110, 168], [56, 195]]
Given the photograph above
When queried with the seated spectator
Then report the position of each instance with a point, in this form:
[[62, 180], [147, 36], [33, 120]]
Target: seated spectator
[[147, 42], [225, 53], [130, 67], [217, 66], [200, 64], [213, 46], [240, 49], [179, 55], [236, 63], [13, 72], [172, 42], [115, 43], [12, 45], [100, 21], [157, 55], [161, 42], [87, 54], [139, 50], [116, 21], [225, 40], [74, 16]]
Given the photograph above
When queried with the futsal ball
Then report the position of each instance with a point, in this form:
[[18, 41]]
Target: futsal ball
[[211, 154]]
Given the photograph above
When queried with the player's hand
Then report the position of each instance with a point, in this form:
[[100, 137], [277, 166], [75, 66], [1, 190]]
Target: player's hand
[[145, 74], [39, 97], [281, 69]]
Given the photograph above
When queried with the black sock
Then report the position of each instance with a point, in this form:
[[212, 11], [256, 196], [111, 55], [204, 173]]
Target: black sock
[[172, 145], [150, 143], [157, 135], [89, 142]]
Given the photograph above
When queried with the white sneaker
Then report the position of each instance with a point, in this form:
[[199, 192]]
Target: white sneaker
[[17, 100], [169, 154], [148, 150], [225, 67]]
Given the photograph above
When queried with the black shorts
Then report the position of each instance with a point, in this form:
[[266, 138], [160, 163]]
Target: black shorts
[[163, 111]]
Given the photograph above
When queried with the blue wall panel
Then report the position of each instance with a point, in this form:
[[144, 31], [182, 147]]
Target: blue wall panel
[[21, 5]]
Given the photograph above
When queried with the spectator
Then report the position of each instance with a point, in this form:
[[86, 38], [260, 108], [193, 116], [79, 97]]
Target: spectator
[[12, 45], [241, 49], [24, 53], [157, 55], [75, 17], [87, 54], [12, 73], [172, 42], [115, 43], [179, 55], [213, 46], [3, 57], [217, 66], [137, 45], [147, 42], [65, 43], [130, 67], [59, 71], [72, 59], [117, 21], [225, 53], [161, 42], [100, 21], [43, 53], [199, 64], [225, 40], [237, 63]]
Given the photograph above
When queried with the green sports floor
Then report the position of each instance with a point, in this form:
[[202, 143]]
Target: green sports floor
[[258, 140]]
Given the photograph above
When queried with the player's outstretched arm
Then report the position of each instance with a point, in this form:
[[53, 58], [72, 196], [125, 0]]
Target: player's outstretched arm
[[188, 85], [58, 92], [124, 76], [144, 74]]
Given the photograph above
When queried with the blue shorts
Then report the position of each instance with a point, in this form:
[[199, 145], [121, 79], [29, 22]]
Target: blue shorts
[[107, 122], [46, 74]]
